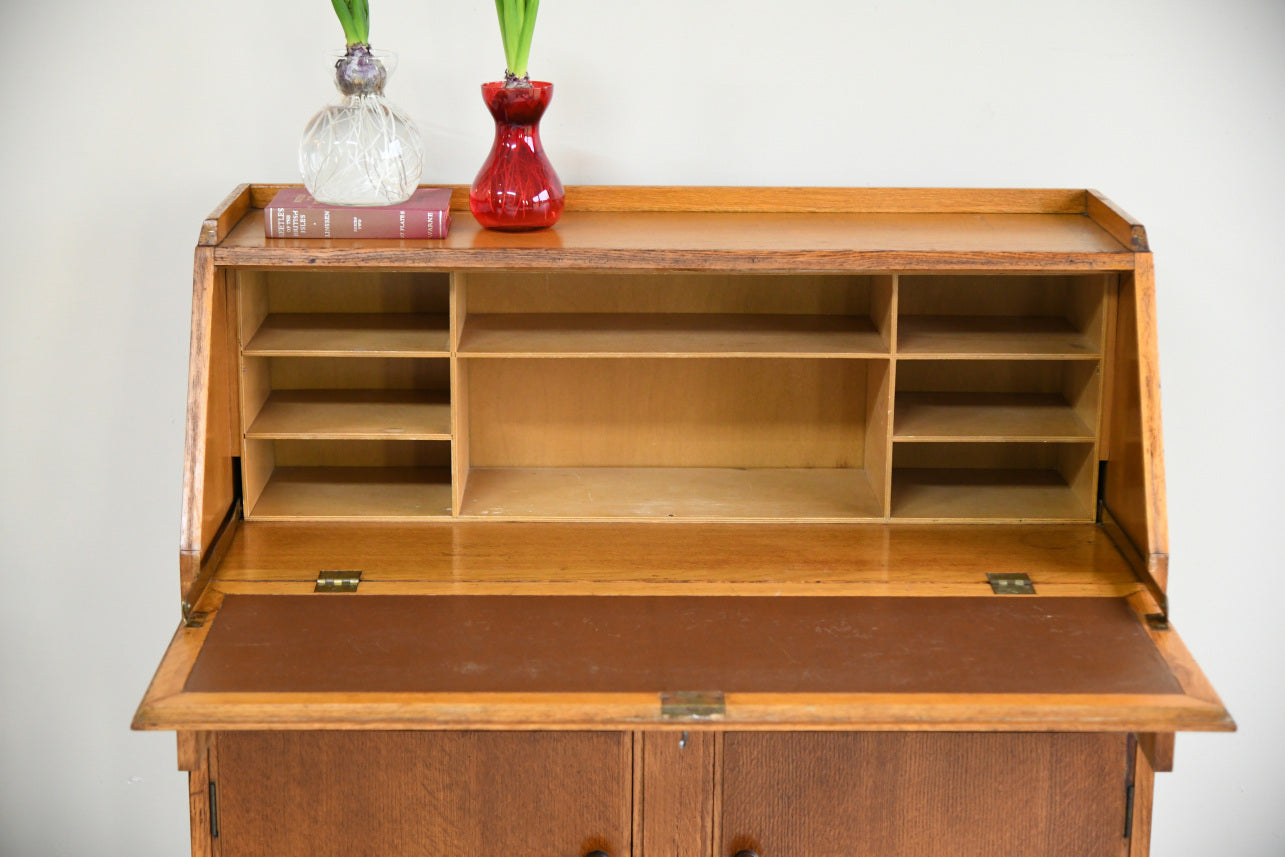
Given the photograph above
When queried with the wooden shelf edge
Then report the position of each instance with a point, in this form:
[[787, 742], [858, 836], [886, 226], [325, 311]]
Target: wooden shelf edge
[[759, 712], [1122, 226]]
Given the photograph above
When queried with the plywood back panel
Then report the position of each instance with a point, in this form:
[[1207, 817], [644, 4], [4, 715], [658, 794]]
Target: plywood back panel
[[356, 291], [512, 292], [672, 413]]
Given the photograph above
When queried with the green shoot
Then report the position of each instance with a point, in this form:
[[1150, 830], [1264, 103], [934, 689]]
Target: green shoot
[[517, 23], [354, 17]]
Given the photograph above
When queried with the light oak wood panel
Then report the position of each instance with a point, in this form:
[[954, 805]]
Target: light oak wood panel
[[336, 334], [1000, 481], [675, 335], [623, 292], [345, 373], [460, 448], [878, 443], [706, 493], [1134, 490], [991, 338], [593, 553], [905, 795], [753, 413], [424, 793], [1114, 219], [354, 414], [354, 493], [719, 241], [988, 417], [356, 292]]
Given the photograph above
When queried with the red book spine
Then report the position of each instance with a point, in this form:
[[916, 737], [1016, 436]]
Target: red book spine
[[316, 221]]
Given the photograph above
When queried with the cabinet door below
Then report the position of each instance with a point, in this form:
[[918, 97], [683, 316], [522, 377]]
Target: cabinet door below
[[318, 794], [924, 794]]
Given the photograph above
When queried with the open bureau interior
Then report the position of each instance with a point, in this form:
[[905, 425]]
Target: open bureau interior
[[719, 522]]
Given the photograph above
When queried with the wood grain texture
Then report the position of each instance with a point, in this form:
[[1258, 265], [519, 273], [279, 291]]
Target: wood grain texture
[[1122, 226], [677, 793], [192, 749], [227, 214], [354, 415], [660, 494], [632, 240], [1144, 786], [673, 335], [639, 558], [205, 443], [198, 799], [1159, 747], [833, 795], [333, 334], [655, 412], [328, 794], [1134, 490]]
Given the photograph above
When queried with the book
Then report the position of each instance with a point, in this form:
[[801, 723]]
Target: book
[[293, 213]]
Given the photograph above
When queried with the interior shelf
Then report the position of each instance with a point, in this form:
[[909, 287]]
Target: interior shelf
[[354, 493], [670, 492], [970, 416], [982, 337], [985, 494], [354, 415], [335, 334], [669, 334]]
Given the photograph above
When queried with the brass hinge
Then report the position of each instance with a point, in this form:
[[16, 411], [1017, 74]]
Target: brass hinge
[[337, 581], [1011, 584], [692, 705]]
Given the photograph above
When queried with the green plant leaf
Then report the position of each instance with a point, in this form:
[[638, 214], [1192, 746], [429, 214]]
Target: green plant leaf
[[346, 21], [524, 40]]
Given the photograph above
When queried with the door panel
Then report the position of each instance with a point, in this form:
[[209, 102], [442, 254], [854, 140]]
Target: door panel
[[339, 794], [924, 794]]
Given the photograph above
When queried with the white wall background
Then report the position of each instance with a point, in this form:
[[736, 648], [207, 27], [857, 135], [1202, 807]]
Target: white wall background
[[124, 124]]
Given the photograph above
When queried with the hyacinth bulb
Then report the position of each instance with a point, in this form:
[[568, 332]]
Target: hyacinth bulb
[[364, 150]]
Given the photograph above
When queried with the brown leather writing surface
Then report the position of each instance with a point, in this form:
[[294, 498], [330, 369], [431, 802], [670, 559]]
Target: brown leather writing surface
[[595, 644]]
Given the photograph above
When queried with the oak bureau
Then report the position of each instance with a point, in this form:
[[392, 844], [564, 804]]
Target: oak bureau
[[711, 522]]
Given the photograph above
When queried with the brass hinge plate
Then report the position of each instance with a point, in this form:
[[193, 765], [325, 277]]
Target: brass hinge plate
[[692, 705], [1010, 584], [337, 581]]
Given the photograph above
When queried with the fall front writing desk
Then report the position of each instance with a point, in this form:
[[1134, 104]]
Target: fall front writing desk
[[712, 522]]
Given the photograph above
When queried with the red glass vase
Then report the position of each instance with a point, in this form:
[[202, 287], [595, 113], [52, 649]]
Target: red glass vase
[[517, 189]]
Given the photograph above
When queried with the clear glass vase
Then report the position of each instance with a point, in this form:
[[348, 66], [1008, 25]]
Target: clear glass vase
[[364, 150]]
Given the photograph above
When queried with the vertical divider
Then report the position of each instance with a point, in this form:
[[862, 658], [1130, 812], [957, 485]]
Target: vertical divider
[[459, 394], [889, 447], [256, 456]]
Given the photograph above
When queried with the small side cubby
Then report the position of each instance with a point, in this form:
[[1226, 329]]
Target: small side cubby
[[345, 394], [994, 481], [1018, 316], [997, 400]]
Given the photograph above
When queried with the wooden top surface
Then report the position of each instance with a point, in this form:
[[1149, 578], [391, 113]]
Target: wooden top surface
[[628, 558], [650, 644], [782, 229]]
